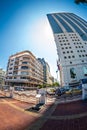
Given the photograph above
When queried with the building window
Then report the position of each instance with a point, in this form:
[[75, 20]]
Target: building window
[[12, 60], [71, 51], [66, 47], [26, 58], [11, 64], [85, 71], [24, 73], [73, 56], [24, 62], [10, 77], [70, 62], [10, 72], [83, 55], [10, 68], [69, 56], [24, 67], [65, 57], [23, 77], [72, 73]]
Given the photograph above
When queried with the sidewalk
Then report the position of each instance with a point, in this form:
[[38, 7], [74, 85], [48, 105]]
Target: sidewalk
[[66, 116], [70, 114]]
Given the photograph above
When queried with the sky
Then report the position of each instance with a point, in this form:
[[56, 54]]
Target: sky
[[24, 26]]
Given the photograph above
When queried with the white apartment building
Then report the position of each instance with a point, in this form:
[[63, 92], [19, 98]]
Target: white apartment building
[[2, 76], [24, 70]]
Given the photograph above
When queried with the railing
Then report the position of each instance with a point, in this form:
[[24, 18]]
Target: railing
[[24, 97], [5, 93]]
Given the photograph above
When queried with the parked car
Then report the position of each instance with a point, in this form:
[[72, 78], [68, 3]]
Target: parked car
[[76, 91], [79, 87], [60, 91], [66, 88], [68, 92]]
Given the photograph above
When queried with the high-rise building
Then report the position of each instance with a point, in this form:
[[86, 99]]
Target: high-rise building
[[24, 70], [70, 34], [48, 79]]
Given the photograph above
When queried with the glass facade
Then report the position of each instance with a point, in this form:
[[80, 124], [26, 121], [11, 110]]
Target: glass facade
[[68, 29], [78, 24], [56, 28], [80, 19]]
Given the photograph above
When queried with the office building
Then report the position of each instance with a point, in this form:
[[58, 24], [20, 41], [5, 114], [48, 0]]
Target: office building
[[70, 35]]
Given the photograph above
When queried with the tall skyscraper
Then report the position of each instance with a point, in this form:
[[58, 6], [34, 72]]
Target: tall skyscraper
[[70, 34]]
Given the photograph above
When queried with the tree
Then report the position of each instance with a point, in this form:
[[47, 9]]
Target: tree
[[56, 84], [80, 1]]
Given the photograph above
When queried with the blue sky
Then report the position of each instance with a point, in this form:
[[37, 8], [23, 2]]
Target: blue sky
[[24, 26]]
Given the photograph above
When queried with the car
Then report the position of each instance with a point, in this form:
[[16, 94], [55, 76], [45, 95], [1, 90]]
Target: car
[[76, 91], [79, 87], [66, 88], [62, 90], [58, 92], [68, 92]]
